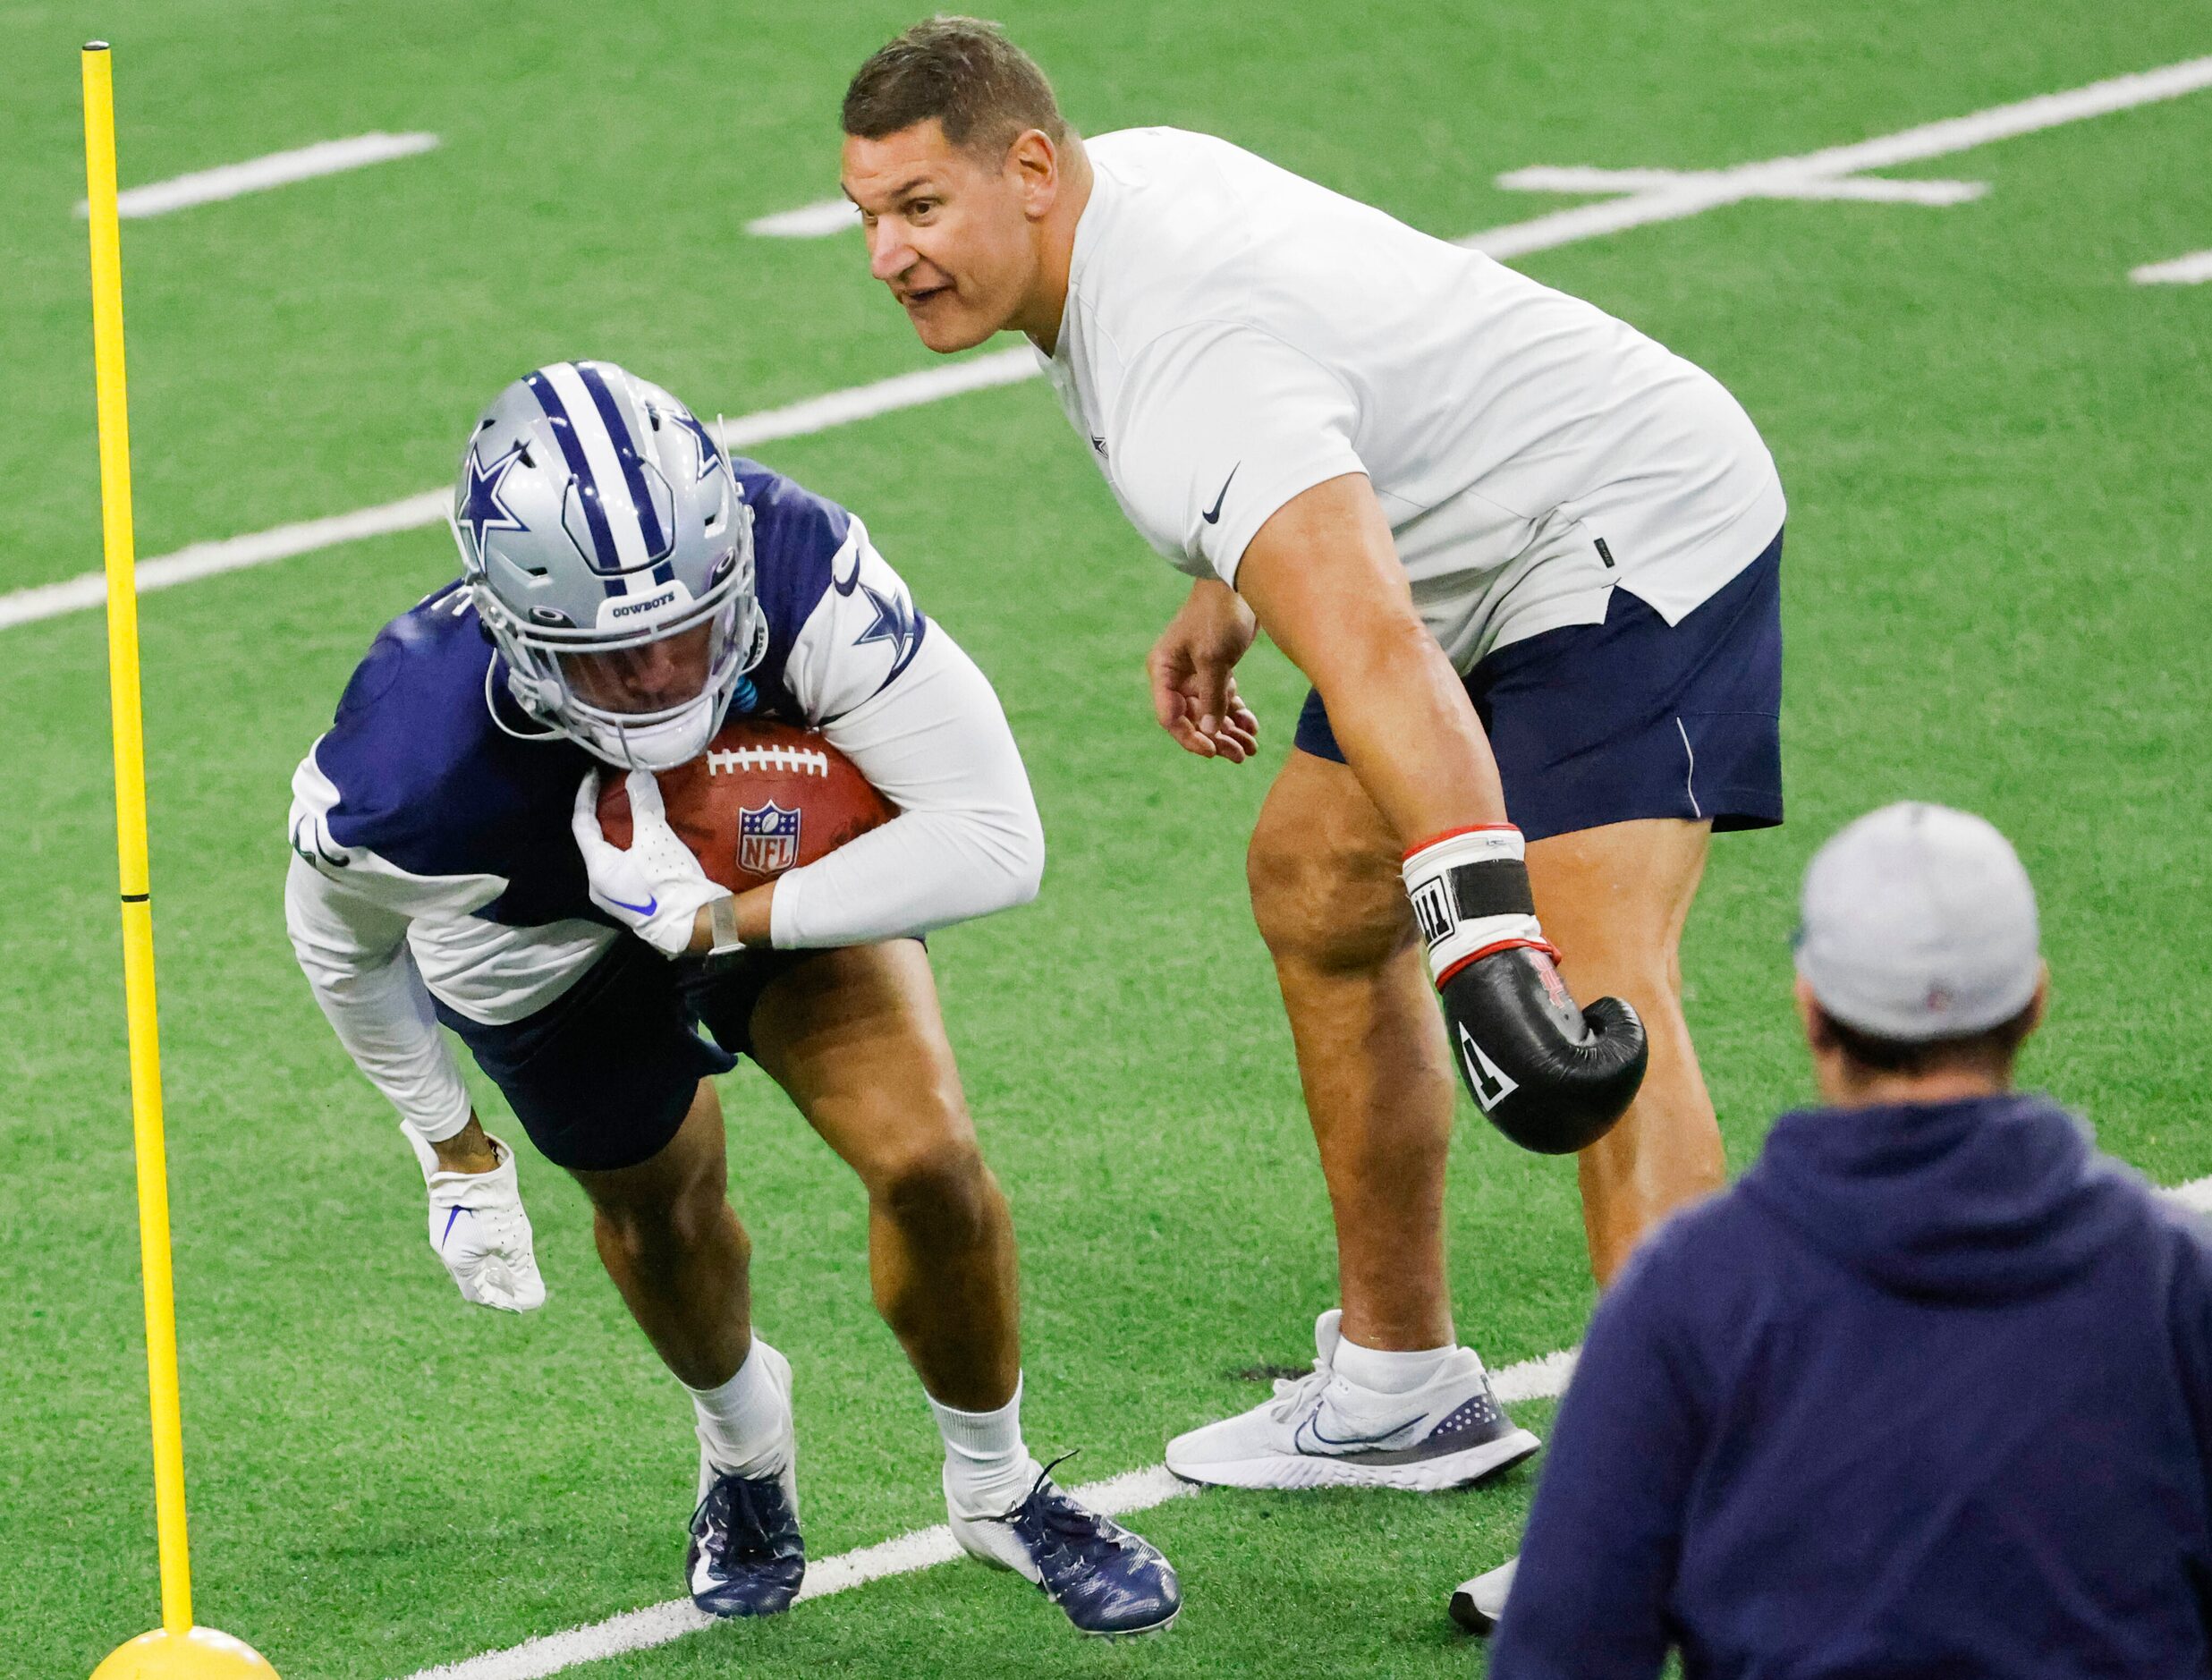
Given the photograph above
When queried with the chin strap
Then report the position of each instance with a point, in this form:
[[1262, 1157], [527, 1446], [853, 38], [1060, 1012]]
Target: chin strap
[[491, 705]]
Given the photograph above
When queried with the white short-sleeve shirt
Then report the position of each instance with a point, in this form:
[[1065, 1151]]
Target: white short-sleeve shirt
[[1235, 334]]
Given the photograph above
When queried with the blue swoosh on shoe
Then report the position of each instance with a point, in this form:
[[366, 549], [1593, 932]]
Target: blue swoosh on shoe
[[1310, 1427]]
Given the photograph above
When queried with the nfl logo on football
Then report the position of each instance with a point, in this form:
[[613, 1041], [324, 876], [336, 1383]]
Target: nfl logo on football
[[767, 838]]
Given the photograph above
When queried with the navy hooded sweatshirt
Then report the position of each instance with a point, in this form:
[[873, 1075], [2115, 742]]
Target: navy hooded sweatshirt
[[1928, 1394]]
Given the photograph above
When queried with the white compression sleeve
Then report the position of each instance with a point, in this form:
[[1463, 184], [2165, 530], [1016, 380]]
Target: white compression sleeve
[[354, 955], [967, 840]]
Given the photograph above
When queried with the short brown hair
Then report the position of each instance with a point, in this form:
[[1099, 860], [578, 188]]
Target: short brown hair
[[1993, 1050], [962, 72]]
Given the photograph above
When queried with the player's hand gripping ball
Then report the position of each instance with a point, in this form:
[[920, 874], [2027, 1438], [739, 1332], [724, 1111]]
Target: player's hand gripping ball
[[763, 798]]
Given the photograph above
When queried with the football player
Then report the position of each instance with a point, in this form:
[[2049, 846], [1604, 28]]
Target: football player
[[1529, 560], [625, 586]]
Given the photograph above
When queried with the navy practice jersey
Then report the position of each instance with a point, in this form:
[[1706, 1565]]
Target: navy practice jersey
[[434, 851], [428, 779], [423, 803]]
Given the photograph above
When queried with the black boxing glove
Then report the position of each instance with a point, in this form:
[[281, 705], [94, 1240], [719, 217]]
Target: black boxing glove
[[1552, 1077]]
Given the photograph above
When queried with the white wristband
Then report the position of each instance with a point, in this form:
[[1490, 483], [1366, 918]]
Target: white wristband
[[722, 927], [1470, 892]]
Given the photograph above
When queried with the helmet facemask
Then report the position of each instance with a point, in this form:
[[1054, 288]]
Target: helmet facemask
[[647, 700], [609, 555]]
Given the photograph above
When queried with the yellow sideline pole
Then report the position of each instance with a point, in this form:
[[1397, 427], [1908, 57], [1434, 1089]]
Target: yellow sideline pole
[[178, 1648]]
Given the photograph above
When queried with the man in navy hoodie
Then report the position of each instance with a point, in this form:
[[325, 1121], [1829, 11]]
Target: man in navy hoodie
[[1929, 1392]]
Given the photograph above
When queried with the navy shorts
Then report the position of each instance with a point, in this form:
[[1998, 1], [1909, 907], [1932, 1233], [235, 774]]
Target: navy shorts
[[1597, 724], [602, 1076]]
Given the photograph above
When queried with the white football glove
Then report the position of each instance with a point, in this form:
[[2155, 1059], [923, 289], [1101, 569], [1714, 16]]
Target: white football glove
[[481, 1233], [657, 887]]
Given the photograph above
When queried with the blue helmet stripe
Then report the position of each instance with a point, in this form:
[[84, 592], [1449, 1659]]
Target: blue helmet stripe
[[605, 557], [656, 542]]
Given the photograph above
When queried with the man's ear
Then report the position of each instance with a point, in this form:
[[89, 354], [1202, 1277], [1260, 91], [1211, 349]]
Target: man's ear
[[2040, 1006], [1809, 1016], [1034, 163]]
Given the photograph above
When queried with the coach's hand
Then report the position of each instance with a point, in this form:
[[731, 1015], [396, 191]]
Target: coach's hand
[[1193, 689], [1550, 1077], [655, 888]]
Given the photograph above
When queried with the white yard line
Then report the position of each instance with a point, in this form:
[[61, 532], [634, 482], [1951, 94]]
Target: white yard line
[[1684, 194], [809, 221], [206, 559], [865, 401], [658, 1624], [796, 419], [2192, 270], [259, 174], [1869, 189], [1694, 193], [1542, 1379]]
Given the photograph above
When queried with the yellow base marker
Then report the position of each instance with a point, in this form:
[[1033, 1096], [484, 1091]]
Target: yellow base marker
[[198, 1653], [176, 1651]]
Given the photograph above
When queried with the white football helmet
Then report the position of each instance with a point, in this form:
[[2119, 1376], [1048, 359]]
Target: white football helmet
[[609, 553]]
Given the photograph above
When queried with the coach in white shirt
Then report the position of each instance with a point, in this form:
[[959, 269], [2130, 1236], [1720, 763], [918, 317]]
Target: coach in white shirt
[[1529, 560]]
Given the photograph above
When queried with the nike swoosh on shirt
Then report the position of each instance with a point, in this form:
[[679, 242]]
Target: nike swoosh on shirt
[[1212, 516]]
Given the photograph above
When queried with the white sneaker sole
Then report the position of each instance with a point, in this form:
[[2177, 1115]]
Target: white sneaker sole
[[1469, 1614], [1293, 1470], [1478, 1604]]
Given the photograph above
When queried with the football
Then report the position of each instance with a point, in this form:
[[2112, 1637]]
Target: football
[[763, 798]]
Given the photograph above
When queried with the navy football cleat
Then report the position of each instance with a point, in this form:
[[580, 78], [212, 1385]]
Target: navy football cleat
[[1106, 1580], [746, 1558]]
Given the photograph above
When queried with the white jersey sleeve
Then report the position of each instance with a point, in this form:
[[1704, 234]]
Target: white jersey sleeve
[[1221, 424], [354, 951], [898, 697]]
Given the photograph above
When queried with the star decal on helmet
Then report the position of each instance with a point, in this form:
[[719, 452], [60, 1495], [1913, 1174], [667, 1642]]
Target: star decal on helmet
[[710, 455], [482, 510]]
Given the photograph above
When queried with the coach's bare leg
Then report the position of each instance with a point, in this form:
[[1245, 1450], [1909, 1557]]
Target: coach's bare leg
[[671, 1241], [857, 1039], [1323, 867], [1615, 900]]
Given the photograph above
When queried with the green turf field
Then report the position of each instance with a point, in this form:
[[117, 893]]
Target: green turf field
[[1994, 446]]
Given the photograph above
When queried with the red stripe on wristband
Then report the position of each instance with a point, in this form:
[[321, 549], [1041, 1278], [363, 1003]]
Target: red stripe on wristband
[[1472, 827], [1545, 946]]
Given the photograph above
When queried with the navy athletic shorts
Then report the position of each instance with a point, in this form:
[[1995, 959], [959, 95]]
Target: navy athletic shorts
[[602, 1076], [1597, 724]]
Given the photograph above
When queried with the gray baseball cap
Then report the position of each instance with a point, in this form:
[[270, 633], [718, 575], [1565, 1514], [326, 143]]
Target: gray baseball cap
[[1918, 922]]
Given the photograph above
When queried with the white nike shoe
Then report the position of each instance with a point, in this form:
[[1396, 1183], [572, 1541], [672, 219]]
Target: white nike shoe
[[1321, 1432], [1478, 1604]]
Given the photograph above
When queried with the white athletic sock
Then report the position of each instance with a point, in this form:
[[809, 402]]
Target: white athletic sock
[[987, 1469], [745, 1425], [1383, 1372]]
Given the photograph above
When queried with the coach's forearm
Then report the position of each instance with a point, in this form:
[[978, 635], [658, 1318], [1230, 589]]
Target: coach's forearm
[[1324, 578], [1410, 733]]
